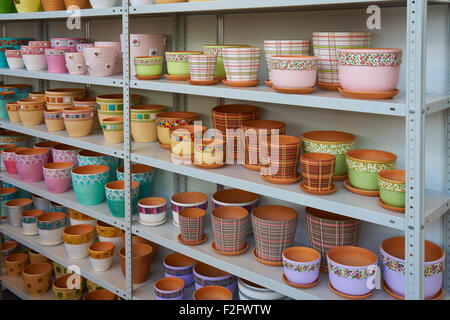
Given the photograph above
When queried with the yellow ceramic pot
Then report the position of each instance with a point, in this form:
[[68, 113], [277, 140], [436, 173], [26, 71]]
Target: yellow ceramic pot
[[143, 122], [209, 152], [78, 120], [167, 120], [182, 139], [23, 6], [31, 112], [13, 111], [54, 120], [113, 129]]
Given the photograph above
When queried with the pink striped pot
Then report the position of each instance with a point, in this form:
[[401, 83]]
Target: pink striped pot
[[75, 63], [118, 67], [100, 62], [29, 164], [9, 158], [202, 67], [57, 176], [293, 72], [241, 64], [34, 58], [65, 153], [56, 60]]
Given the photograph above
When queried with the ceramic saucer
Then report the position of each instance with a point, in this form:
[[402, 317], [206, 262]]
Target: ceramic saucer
[[275, 180], [340, 178], [240, 83], [213, 246], [48, 244], [29, 234], [193, 243], [268, 83], [301, 286], [269, 263], [148, 77], [153, 224], [203, 83], [324, 192], [368, 95], [388, 207], [294, 91], [369, 193], [209, 166], [177, 77], [328, 86], [348, 296]]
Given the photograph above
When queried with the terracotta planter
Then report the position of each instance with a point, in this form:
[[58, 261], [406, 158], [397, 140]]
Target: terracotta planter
[[75, 63], [7, 249], [51, 227], [13, 111], [82, 4], [202, 67], [167, 120], [169, 288], [100, 61], [274, 228], [80, 218], [241, 64], [29, 221], [15, 263], [112, 129], [230, 227], [62, 292], [148, 67], [181, 266], [66, 153], [252, 291], [57, 176], [318, 171], [37, 278], [137, 239], [31, 112], [53, 5], [56, 60], [89, 102], [206, 275], [36, 257], [77, 240], [184, 200], [34, 57], [217, 50], [143, 122], [109, 233], [101, 255], [392, 187], [177, 62], [213, 293], [142, 261], [29, 164], [89, 183], [182, 139], [9, 158], [152, 211], [115, 196], [209, 153], [192, 225], [364, 164], [301, 265], [54, 120], [62, 98], [100, 294], [78, 120], [293, 71]]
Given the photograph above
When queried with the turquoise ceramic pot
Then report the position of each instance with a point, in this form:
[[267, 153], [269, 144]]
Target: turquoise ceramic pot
[[23, 194], [8, 193], [21, 90], [87, 157], [142, 174], [89, 183], [10, 137], [115, 196], [6, 97]]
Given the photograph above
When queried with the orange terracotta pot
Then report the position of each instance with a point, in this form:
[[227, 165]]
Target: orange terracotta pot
[[53, 5], [82, 4], [78, 120], [137, 239], [31, 112], [15, 263], [37, 278], [36, 257], [142, 261], [54, 120], [63, 98], [100, 294], [213, 293]]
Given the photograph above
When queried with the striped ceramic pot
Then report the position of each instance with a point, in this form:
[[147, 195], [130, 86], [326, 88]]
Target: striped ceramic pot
[[202, 67], [192, 225], [184, 200], [230, 227], [241, 64], [217, 50]]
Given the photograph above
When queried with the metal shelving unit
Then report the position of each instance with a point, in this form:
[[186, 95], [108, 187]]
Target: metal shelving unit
[[412, 104]]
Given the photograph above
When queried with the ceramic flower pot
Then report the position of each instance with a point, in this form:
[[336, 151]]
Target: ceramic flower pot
[[217, 50], [7, 194], [202, 67], [19, 139], [101, 255], [182, 140], [56, 60], [77, 240], [57, 176], [66, 42], [293, 72], [192, 225], [252, 291], [51, 227], [13, 111], [236, 198], [169, 288], [166, 120], [37, 95], [4, 147], [213, 293], [230, 227], [14, 209], [80, 218], [112, 129], [394, 266], [181, 266], [89, 183], [82, 4], [349, 269], [392, 187], [87, 157], [318, 171], [185, 200], [5, 98], [21, 90], [15, 263], [148, 67], [54, 120], [9, 158], [45, 44], [60, 288], [75, 63], [14, 59], [31, 112], [241, 64], [91, 286], [369, 70], [40, 203], [111, 105], [29, 221], [34, 58], [143, 122], [53, 5], [109, 233], [142, 261], [137, 239], [36, 257], [206, 275], [100, 61], [80, 46], [210, 152], [27, 6], [78, 120], [152, 211], [66, 153], [177, 62], [100, 294], [364, 164], [7, 249], [29, 164], [63, 98], [37, 278], [115, 196], [301, 265], [105, 4], [7, 6], [59, 270], [55, 207], [325, 45], [118, 64], [89, 102]]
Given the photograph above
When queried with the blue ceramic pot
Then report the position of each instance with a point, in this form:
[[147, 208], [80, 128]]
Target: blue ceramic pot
[[5, 97], [89, 183], [87, 157], [142, 174], [115, 196]]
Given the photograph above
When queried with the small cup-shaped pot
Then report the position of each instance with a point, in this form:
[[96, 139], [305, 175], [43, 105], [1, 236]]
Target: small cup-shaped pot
[[274, 227], [9, 158], [252, 291], [101, 255], [213, 293], [192, 225], [142, 174], [100, 294], [152, 211], [37, 278], [109, 233], [75, 63], [60, 288], [47, 145], [350, 268], [241, 64], [78, 120], [51, 227], [115, 196], [13, 111], [181, 266], [87, 157], [15, 263], [301, 265], [89, 102], [184, 200], [394, 266], [89, 183], [80, 218], [36, 257], [166, 120], [66, 153], [143, 122], [230, 228], [177, 62], [63, 98], [29, 164], [183, 137], [15, 208], [31, 112], [293, 72], [206, 275], [54, 120], [142, 261], [364, 164], [29, 221], [113, 129], [318, 170], [57, 176], [14, 59], [137, 239], [114, 102], [169, 288], [392, 187], [100, 61], [149, 66], [77, 240], [202, 67]]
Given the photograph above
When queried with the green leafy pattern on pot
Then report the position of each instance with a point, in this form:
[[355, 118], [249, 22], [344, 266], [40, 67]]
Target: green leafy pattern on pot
[[148, 66], [216, 50], [177, 62], [364, 164], [392, 187]]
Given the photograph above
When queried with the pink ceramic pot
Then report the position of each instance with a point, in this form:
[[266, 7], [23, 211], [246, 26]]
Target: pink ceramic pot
[[145, 45], [47, 145], [119, 60], [34, 58], [100, 62], [45, 44], [65, 153], [293, 72], [369, 70], [81, 46], [9, 158], [75, 62], [29, 164], [56, 60], [57, 176], [66, 42]]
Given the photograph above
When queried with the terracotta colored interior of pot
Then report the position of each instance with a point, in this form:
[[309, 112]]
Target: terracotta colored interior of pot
[[101, 246], [31, 101], [8, 245], [372, 155], [251, 284], [18, 202], [236, 108], [178, 260], [38, 268], [15, 257], [16, 149], [31, 152], [395, 175], [79, 229], [53, 111], [65, 147], [7, 146], [147, 107], [235, 196], [263, 124], [104, 224], [46, 144], [137, 168], [192, 213], [51, 216], [113, 120], [321, 214], [329, 136], [153, 201], [301, 254], [89, 153], [139, 250], [169, 284], [61, 282], [84, 100], [352, 256], [396, 247], [189, 197], [213, 293], [208, 271], [32, 213], [120, 185], [275, 213], [178, 115], [283, 139], [8, 190], [58, 165], [91, 169], [316, 156], [100, 294], [187, 129], [230, 213]]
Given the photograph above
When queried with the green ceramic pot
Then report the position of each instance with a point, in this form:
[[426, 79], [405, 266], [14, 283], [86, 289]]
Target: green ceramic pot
[[392, 187], [87, 157], [89, 183], [6, 6], [142, 174], [363, 167], [216, 50], [177, 62], [148, 66], [115, 196]]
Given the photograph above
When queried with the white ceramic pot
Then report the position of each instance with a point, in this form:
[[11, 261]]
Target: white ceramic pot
[[141, 2], [51, 236], [152, 210], [117, 241], [35, 62], [30, 228], [101, 264], [250, 292], [41, 203], [15, 63], [105, 3], [77, 251], [74, 222]]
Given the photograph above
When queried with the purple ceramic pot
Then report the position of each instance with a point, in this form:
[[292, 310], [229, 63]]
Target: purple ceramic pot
[[393, 252], [57, 176], [205, 275], [301, 265], [29, 164], [180, 266], [169, 288]]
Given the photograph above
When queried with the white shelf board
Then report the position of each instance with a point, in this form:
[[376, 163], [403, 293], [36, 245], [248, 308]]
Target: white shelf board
[[61, 14], [16, 286], [95, 141]]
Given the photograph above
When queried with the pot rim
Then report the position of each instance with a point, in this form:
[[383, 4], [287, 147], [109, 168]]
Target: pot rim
[[184, 52], [44, 265], [137, 168], [15, 149], [17, 257], [90, 153], [372, 256], [93, 247], [370, 50], [220, 193], [66, 147], [193, 213], [98, 167], [345, 137], [178, 115], [225, 291], [263, 124], [145, 248], [32, 152], [204, 270], [116, 96], [113, 120], [58, 165], [303, 250], [174, 255], [292, 57], [161, 282], [46, 144], [147, 107], [154, 202], [235, 108], [317, 157], [189, 194], [360, 155], [238, 213], [392, 175], [322, 214], [32, 213], [79, 230], [19, 202], [288, 214], [119, 185]]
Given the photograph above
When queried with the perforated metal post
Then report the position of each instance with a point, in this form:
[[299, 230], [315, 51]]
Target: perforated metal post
[[415, 121], [447, 161]]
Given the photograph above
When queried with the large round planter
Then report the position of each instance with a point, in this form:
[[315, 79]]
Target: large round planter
[[148, 66], [252, 291], [57, 176], [62, 292], [78, 120], [301, 265], [51, 227], [181, 266], [77, 240], [166, 120], [66, 153], [29, 164], [109, 233], [206, 275], [241, 64], [15, 263], [29, 221], [230, 227], [80, 218], [217, 50], [177, 62], [87, 157], [293, 72], [115, 196], [392, 187], [185, 200], [142, 261], [89, 183], [143, 122], [9, 158], [152, 211], [37, 278], [101, 255], [14, 209], [63, 98], [54, 120], [112, 129], [140, 173], [100, 61], [31, 112], [169, 288]]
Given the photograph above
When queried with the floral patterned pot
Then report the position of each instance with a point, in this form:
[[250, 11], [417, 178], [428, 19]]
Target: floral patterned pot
[[80, 218], [29, 221], [192, 225], [364, 165], [213, 293], [9, 158], [293, 72], [87, 157], [89, 183], [29, 164], [142, 261], [100, 61], [392, 187], [54, 120], [34, 58], [206, 275], [182, 139], [241, 64], [143, 122], [109, 233], [78, 120], [77, 240], [51, 227], [148, 66], [14, 59], [13, 111], [184, 200], [252, 291], [115, 196], [14, 209], [80, 46], [301, 265], [63, 98], [66, 153], [202, 67], [15, 263], [152, 211], [45, 44], [101, 255], [37, 278], [169, 288], [56, 60], [57, 176], [118, 64], [351, 269], [166, 120], [112, 129], [394, 266], [177, 62], [217, 50], [181, 266], [75, 63], [62, 292], [230, 227], [31, 112], [4, 147], [66, 42]]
